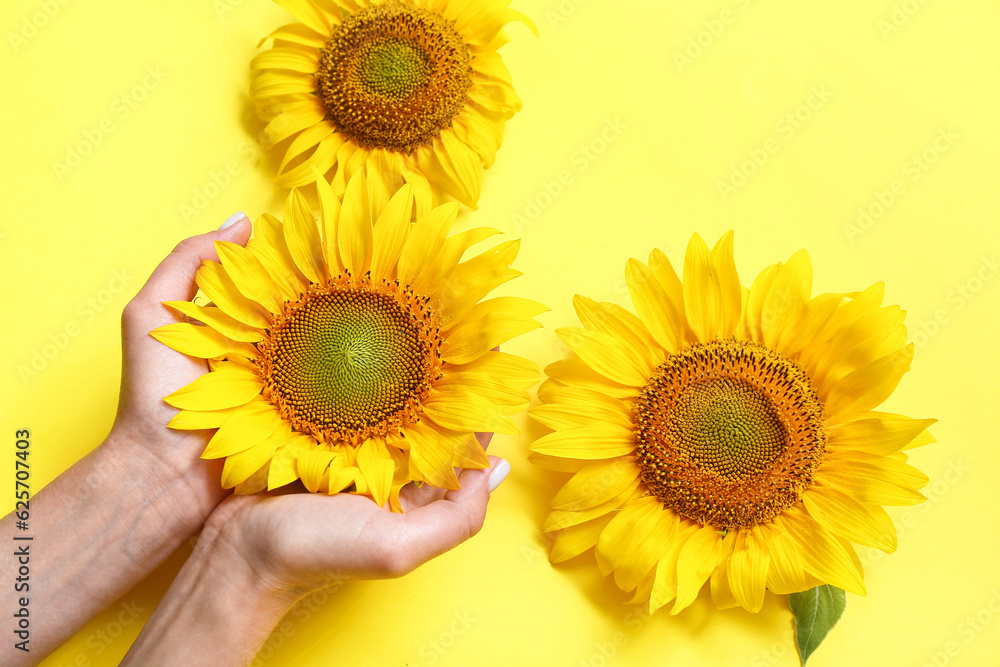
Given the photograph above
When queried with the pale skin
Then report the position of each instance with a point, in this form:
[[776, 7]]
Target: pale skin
[[130, 503]]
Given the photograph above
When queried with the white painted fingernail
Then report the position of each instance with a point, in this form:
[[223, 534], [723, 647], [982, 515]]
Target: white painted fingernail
[[232, 220], [498, 475]]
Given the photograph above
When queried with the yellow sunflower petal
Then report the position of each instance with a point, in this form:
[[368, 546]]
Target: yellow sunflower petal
[[747, 570], [355, 227], [646, 548], [574, 372], [377, 468], [309, 13], [302, 238], [241, 465], [867, 483], [654, 306], [622, 325], [789, 291], [755, 302], [871, 336], [567, 407], [842, 515], [424, 242], [343, 473], [822, 554], [321, 160], [461, 409], [194, 420], [459, 167], [330, 210], [474, 338], [561, 519], [869, 386], [619, 539], [702, 295], [218, 286], [665, 580], [283, 469], [861, 304], [505, 377], [199, 341], [730, 290], [473, 279], [218, 320], [722, 592], [432, 457], [249, 275], [574, 540], [598, 483], [297, 33], [606, 355], [290, 58], [269, 247], [291, 122], [305, 141], [455, 246], [468, 453], [924, 438], [663, 271], [313, 467], [216, 391], [696, 561], [250, 425], [879, 433], [811, 320], [390, 233], [599, 441], [786, 573]]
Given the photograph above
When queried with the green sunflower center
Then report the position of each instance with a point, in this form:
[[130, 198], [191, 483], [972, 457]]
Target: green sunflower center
[[345, 363], [393, 76], [728, 427], [729, 433], [392, 67]]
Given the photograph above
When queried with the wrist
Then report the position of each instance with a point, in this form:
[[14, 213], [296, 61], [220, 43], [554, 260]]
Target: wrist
[[191, 484], [218, 611]]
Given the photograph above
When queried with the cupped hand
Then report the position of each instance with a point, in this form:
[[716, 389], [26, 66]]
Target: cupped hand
[[300, 542], [151, 370]]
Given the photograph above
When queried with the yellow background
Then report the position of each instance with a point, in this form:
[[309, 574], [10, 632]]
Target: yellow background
[[642, 109]]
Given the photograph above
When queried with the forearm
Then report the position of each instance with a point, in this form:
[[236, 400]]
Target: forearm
[[217, 612], [98, 529]]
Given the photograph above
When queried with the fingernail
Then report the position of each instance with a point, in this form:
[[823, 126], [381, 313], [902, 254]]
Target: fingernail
[[498, 474], [233, 219]]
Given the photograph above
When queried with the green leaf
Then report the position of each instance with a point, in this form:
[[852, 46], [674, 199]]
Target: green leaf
[[816, 611]]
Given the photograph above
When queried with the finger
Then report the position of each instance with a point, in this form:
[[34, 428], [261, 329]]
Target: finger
[[412, 495], [484, 439], [173, 278], [433, 529]]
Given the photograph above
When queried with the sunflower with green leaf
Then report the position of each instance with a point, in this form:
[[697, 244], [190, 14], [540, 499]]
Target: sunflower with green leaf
[[354, 352], [728, 437]]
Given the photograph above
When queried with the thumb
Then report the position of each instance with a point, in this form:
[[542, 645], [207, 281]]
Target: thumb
[[173, 278]]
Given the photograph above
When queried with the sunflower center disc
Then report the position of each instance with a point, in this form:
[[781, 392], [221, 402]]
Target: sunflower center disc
[[729, 433], [393, 76], [348, 362]]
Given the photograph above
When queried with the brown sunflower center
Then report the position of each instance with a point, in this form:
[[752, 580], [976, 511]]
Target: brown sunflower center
[[393, 76], [729, 433], [348, 361]]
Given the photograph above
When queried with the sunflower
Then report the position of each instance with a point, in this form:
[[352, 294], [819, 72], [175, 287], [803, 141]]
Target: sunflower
[[415, 91], [355, 352], [727, 435]]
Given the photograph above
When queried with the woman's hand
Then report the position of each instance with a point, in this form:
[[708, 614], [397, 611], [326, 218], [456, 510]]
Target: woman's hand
[[259, 554], [138, 496], [151, 370]]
